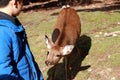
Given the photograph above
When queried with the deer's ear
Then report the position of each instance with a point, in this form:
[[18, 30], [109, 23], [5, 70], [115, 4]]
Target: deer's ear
[[48, 42], [67, 49]]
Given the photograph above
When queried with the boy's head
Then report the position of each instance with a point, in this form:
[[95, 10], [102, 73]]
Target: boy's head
[[4, 3], [12, 7]]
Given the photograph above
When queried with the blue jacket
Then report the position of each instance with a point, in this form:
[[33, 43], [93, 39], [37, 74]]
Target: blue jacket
[[16, 59]]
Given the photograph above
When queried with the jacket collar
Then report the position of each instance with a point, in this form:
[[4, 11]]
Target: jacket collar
[[9, 24], [7, 20], [13, 19]]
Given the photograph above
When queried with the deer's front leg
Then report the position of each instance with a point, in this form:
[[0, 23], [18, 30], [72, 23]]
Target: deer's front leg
[[67, 68]]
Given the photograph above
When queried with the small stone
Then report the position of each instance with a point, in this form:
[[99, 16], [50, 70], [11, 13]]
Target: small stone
[[113, 78], [89, 70], [97, 35]]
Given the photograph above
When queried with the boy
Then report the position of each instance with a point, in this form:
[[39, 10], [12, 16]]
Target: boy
[[16, 59]]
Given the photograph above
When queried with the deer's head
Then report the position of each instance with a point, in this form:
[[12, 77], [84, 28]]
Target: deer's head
[[55, 52]]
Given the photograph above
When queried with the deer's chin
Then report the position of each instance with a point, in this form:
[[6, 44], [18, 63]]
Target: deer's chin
[[52, 65]]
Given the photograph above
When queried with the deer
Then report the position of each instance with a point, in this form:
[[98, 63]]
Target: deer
[[63, 39]]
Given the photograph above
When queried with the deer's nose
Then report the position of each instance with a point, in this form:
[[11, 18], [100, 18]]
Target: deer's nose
[[47, 62]]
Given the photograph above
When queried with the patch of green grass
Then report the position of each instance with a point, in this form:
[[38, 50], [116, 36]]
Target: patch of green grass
[[98, 20], [115, 59]]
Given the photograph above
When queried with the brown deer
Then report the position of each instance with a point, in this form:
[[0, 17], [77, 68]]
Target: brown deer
[[64, 37]]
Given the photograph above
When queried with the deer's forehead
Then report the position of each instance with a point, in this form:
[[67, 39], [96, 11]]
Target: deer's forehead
[[55, 47], [54, 50]]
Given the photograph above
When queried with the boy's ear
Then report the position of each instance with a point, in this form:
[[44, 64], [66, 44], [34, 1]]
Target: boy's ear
[[15, 3]]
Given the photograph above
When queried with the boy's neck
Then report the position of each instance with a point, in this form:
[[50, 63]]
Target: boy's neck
[[6, 10]]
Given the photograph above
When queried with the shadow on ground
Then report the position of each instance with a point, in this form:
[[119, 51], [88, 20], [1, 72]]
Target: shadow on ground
[[104, 8], [114, 8], [84, 44], [40, 6], [53, 5]]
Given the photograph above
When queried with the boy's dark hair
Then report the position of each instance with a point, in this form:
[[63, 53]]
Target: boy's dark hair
[[4, 3]]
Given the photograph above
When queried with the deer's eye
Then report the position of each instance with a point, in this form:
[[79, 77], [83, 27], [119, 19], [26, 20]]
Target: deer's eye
[[47, 52], [59, 55]]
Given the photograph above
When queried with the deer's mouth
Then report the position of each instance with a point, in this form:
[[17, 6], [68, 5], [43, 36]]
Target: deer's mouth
[[47, 63]]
